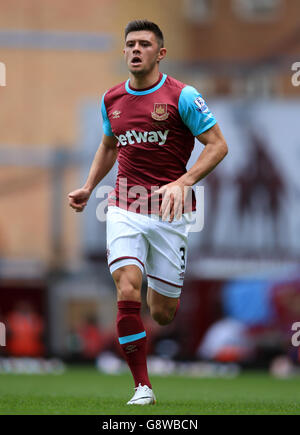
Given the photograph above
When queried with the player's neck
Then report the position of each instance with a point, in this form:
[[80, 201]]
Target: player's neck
[[143, 82]]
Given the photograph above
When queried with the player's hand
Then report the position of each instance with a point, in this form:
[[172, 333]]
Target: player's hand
[[78, 199], [173, 199]]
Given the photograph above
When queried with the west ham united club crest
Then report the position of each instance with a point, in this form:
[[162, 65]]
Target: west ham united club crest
[[160, 112]]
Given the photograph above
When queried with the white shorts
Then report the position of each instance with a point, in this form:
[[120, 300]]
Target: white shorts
[[156, 246]]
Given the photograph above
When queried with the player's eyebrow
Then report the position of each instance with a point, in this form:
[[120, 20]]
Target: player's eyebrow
[[139, 40]]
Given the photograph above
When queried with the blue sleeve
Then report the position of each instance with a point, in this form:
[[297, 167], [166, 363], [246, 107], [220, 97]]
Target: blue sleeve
[[194, 112], [106, 122]]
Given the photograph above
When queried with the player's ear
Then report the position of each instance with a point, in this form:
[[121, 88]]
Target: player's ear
[[162, 54]]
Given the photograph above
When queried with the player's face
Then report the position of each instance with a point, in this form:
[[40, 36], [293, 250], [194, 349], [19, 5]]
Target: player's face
[[142, 52]]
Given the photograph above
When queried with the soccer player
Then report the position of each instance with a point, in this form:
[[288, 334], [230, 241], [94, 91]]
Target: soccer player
[[150, 123]]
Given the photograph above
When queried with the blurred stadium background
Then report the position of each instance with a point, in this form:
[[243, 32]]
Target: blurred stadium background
[[242, 290]]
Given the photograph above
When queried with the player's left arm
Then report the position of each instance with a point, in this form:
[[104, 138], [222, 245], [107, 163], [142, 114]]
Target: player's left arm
[[202, 124], [175, 193], [213, 153]]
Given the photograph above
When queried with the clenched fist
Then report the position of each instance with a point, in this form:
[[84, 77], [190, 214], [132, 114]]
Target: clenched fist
[[78, 199]]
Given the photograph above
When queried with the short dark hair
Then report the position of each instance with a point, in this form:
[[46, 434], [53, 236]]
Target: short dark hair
[[138, 25]]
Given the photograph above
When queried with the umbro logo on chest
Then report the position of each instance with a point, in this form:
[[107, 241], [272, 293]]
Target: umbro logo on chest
[[116, 114]]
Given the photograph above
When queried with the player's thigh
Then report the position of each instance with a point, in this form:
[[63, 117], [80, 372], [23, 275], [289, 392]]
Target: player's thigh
[[128, 281], [126, 244], [166, 259]]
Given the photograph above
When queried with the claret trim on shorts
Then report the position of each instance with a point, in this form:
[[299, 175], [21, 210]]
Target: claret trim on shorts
[[166, 282], [124, 258]]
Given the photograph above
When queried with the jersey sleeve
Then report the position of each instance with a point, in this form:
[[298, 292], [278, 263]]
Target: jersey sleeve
[[194, 112], [106, 122]]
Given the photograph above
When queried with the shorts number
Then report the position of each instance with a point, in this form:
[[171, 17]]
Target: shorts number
[[182, 250]]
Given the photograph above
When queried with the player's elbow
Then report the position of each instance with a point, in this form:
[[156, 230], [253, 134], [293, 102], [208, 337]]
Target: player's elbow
[[223, 149]]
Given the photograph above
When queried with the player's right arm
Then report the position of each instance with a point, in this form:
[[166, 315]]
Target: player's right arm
[[104, 160]]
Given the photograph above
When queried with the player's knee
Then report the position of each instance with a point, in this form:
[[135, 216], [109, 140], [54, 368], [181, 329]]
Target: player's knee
[[128, 288], [128, 292], [162, 317]]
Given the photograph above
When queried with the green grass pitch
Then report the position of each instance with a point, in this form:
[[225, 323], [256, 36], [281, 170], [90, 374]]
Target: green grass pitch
[[86, 391]]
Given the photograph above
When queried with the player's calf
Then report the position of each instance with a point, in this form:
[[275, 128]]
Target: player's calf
[[162, 308], [163, 316]]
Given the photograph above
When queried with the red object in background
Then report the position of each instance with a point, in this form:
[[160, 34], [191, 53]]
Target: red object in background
[[200, 307], [231, 354], [286, 302], [92, 340], [25, 329]]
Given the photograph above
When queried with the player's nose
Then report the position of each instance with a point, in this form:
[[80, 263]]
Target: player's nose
[[136, 48]]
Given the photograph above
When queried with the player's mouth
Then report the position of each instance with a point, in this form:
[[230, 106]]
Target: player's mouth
[[136, 60]]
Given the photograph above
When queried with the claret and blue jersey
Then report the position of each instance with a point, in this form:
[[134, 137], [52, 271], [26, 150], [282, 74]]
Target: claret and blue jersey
[[155, 128]]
